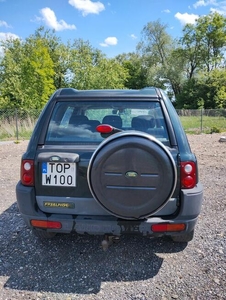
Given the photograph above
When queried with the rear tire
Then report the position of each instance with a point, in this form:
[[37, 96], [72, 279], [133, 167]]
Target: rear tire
[[184, 238], [43, 234]]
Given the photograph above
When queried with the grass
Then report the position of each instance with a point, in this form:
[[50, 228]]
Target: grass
[[10, 131], [192, 124]]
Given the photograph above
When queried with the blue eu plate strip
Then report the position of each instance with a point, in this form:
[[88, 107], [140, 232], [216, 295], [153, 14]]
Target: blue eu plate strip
[[44, 168]]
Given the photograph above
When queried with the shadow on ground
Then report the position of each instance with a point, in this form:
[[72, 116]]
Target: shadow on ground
[[71, 263]]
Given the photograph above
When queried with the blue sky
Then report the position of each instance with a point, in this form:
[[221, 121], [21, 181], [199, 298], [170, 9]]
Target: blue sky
[[113, 26]]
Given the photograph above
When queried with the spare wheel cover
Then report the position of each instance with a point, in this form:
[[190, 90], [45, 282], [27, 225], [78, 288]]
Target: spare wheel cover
[[132, 175]]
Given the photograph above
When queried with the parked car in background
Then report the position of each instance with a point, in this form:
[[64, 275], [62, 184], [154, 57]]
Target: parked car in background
[[110, 162]]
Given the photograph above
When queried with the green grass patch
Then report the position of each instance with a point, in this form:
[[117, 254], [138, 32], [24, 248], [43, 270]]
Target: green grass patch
[[195, 125]]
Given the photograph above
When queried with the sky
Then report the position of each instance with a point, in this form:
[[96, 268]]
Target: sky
[[113, 26]]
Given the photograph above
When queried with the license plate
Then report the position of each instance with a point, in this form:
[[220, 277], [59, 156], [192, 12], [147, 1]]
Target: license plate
[[58, 174]]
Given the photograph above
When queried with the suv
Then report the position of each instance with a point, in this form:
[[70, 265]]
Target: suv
[[110, 162]]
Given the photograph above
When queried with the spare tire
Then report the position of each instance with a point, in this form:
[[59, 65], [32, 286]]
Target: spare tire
[[132, 175]]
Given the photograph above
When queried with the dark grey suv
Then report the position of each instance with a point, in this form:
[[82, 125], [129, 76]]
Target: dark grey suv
[[110, 162]]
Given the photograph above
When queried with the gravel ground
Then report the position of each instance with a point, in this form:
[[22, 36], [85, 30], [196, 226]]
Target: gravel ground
[[72, 267]]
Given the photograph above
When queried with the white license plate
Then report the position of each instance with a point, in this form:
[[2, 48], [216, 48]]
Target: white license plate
[[58, 174]]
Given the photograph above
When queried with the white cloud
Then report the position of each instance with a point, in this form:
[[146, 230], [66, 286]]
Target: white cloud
[[104, 45], [7, 36], [4, 24], [167, 11], [186, 18], [87, 6], [204, 3], [49, 17], [219, 6], [110, 41], [133, 36], [221, 11]]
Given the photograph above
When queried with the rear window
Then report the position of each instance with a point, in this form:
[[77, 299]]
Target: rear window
[[76, 122]]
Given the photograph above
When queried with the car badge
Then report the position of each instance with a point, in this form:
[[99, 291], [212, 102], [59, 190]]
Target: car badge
[[131, 174]]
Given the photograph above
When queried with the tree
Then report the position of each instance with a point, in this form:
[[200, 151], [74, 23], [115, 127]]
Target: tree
[[11, 94], [156, 42], [137, 71], [37, 74], [191, 50], [202, 48], [26, 74], [191, 96], [158, 52], [83, 59], [109, 74], [212, 29], [90, 69], [59, 53], [207, 90], [203, 44]]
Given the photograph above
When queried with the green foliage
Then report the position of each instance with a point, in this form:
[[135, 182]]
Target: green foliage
[[215, 130], [191, 50], [137, 72], [31, 70], [82, 61], [203, 44], [26, 74], [158, 50], [115, 75], [11, 94], [202, 47], [90, 69], [156, 42], [191, 95], [59, 53], [38, 74], [212, 30], [207, 91]]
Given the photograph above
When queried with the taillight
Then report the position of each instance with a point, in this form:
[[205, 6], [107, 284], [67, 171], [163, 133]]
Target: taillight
[[27, 172], [164, 227], [188, 174], [46, 224]]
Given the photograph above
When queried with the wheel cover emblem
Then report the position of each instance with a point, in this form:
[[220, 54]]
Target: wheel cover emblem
[[131, 174]]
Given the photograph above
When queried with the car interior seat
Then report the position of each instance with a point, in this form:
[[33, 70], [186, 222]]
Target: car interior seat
[[113, 120]]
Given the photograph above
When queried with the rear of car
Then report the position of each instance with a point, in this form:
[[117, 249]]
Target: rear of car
[[110, 162]]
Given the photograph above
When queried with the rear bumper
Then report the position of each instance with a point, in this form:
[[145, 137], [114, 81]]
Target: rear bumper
[[188, 212]]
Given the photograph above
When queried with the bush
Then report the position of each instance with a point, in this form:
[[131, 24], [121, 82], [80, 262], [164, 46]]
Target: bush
[[215, 130]]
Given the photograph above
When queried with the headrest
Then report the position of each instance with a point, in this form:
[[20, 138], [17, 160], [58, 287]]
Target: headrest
[[143, 122], [78, 120], [113, 120]]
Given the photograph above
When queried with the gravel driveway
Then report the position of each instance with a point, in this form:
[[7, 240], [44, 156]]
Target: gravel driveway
[[72, 267]]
